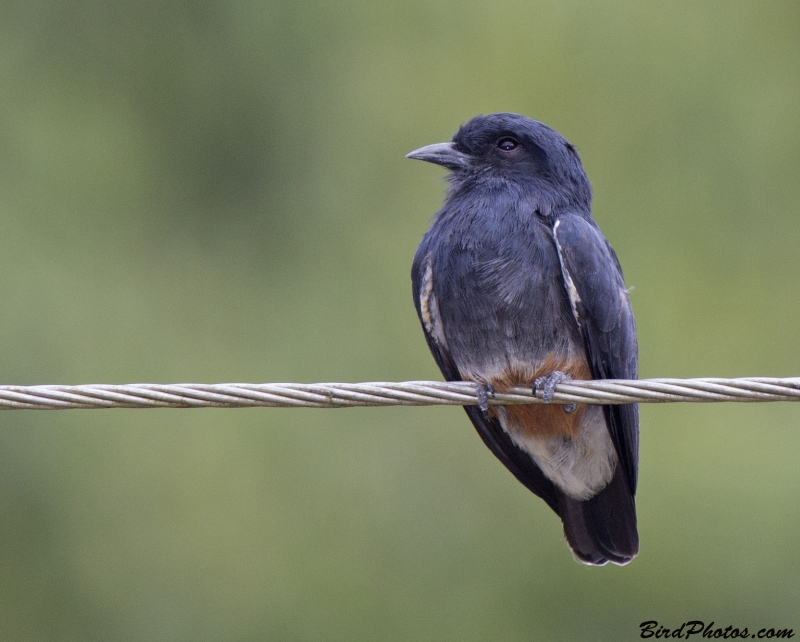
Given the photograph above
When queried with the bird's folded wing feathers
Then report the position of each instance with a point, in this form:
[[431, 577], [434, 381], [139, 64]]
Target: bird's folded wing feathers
[[600, 301]]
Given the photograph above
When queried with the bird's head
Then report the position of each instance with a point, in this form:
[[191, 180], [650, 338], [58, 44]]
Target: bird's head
[[513, 150]]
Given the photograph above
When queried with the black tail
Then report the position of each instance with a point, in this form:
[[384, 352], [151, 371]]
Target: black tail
[[602, 529]]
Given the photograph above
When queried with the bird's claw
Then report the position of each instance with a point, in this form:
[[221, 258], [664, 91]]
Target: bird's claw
[[547, 384], [484, 391]]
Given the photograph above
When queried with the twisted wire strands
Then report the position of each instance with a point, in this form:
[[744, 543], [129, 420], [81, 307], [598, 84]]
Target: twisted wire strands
[[406, 393]]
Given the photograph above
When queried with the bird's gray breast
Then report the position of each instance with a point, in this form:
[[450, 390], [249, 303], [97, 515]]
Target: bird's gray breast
[[499, 293]]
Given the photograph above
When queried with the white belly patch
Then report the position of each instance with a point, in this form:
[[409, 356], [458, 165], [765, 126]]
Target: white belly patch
[[580, 466]]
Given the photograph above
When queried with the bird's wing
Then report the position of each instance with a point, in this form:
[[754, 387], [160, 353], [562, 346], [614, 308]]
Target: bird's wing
[[491, 432], [600, 303]]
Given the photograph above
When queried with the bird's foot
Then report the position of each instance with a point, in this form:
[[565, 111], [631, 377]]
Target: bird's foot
[[484, 391], [548, 383], [570, 407]]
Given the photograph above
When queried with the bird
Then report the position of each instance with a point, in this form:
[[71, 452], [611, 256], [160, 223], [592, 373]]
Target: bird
[[515, 285]]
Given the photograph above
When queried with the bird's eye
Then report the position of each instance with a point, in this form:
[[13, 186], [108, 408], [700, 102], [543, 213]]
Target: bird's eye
[[507, 144]]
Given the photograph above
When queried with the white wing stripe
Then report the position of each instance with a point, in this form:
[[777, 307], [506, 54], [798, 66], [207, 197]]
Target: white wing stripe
[[429, 307], [572, 292]]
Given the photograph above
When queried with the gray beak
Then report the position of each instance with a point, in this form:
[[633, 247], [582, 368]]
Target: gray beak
[[444, 154]]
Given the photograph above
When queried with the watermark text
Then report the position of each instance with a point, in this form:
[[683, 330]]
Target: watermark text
[[697, 629]]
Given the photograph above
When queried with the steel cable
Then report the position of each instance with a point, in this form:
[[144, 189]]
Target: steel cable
[[405, 393]]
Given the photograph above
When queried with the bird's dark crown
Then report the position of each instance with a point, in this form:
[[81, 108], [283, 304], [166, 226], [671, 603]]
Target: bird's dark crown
[[518, 148]]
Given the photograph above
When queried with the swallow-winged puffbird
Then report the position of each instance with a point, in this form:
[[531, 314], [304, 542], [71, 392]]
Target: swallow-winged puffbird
[[515, 285]]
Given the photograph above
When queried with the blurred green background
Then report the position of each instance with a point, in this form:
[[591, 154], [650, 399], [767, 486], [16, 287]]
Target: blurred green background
[[216, 191]]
